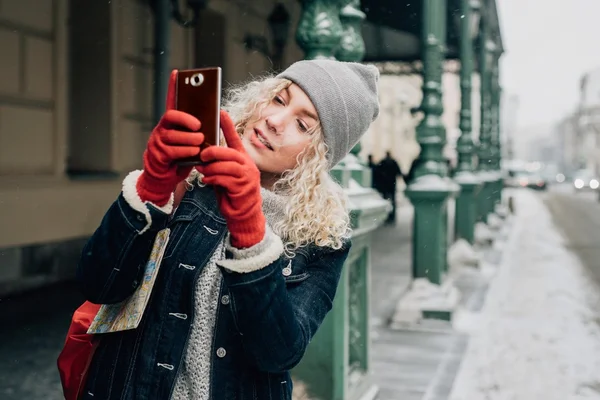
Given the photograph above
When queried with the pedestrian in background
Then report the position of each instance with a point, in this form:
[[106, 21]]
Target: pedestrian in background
[[375, 175], [389, 171]]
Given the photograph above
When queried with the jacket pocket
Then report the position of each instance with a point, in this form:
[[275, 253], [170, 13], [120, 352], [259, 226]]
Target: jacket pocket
[[295, 270], [297, 278]]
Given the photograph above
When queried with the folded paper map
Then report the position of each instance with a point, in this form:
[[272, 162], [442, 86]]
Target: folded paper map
[[128, 313]]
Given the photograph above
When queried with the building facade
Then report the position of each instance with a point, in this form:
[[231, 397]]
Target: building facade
[[76, 84], [577, 135], [588, 117]]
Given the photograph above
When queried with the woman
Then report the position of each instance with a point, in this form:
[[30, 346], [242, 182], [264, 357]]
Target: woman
[[256, 247]]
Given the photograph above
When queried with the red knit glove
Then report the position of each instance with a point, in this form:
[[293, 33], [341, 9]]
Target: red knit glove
[[175, 137], [237, 181]]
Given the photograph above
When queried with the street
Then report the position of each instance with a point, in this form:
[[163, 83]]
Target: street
[[32, 332], [577, 215], [538, 335]]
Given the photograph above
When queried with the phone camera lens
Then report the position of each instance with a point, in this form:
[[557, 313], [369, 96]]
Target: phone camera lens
[[197, 79]]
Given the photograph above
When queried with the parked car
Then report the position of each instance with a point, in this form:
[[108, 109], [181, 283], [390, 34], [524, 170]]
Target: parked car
[[585, 180], [511, 177], [526, 180], [533, 181]]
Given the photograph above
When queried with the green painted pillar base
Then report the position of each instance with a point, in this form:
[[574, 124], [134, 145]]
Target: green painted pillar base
[[429, 196], [432, 294], [439, 315], [499, 185], [336, 363], [466, 206], [485, 199], [341, 175], [495, 190], [358, 171]]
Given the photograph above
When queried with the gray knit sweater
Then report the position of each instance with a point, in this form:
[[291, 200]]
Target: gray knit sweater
[[193, 378]]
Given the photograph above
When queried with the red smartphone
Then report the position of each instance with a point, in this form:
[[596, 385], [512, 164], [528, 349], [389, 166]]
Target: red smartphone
[[198, 92]]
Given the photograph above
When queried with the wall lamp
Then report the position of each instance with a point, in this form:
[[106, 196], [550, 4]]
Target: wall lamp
[[195, 5], [175, 11]]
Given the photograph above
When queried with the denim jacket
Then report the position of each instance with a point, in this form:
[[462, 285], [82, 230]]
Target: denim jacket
[[265, 318]]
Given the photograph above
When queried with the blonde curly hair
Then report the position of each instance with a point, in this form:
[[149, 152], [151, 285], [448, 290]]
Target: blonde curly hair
[[316, 207]]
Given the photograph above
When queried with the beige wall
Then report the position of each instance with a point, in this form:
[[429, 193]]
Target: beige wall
[[32, 94], [133, 91], [133, 78], [251, 17], [79, 96]]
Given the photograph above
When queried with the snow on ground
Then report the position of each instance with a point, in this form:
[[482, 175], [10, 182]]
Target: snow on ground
[[538, 335]]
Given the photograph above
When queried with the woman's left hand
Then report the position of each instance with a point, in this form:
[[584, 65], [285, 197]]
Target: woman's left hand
[[237, 182]]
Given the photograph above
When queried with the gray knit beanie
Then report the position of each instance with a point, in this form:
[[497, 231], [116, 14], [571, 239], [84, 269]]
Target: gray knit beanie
[[345, 96]]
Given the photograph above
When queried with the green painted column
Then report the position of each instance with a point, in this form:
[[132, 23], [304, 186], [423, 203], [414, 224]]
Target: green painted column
[[320, 29], [336, 364], [352, 45], [429, 190], [500, 150], [466, 203], [352, 49], [495, 134], [485, 151]]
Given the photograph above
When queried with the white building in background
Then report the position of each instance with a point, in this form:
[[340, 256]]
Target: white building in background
[[578, 134], [570, 148], [395, 129], [588, 117]]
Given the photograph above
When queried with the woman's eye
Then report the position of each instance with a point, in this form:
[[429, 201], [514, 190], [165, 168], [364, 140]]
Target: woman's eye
[[302, 126], [279, 100]]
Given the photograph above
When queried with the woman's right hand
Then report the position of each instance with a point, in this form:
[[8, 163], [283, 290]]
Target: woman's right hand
[[175, 137]]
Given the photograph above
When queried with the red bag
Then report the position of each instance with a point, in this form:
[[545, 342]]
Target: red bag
[[76, 355], [75, 358]]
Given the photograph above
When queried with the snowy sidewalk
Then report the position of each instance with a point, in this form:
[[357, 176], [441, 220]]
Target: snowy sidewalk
[[538, 334]]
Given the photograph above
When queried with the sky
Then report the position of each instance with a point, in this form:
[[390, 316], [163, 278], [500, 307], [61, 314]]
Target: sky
[[549, 45]]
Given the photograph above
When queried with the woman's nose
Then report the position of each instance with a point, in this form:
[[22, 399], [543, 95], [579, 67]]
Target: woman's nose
[[276, 123]]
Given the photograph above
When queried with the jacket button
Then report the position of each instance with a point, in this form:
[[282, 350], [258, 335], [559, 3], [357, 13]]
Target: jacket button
[[225, 299], [221, 352], [287, 271]]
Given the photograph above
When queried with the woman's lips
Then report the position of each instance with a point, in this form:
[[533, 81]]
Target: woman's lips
[[259, 140]]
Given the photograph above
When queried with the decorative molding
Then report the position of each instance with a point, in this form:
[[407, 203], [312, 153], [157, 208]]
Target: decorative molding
[[21, 101], [413, 68]]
